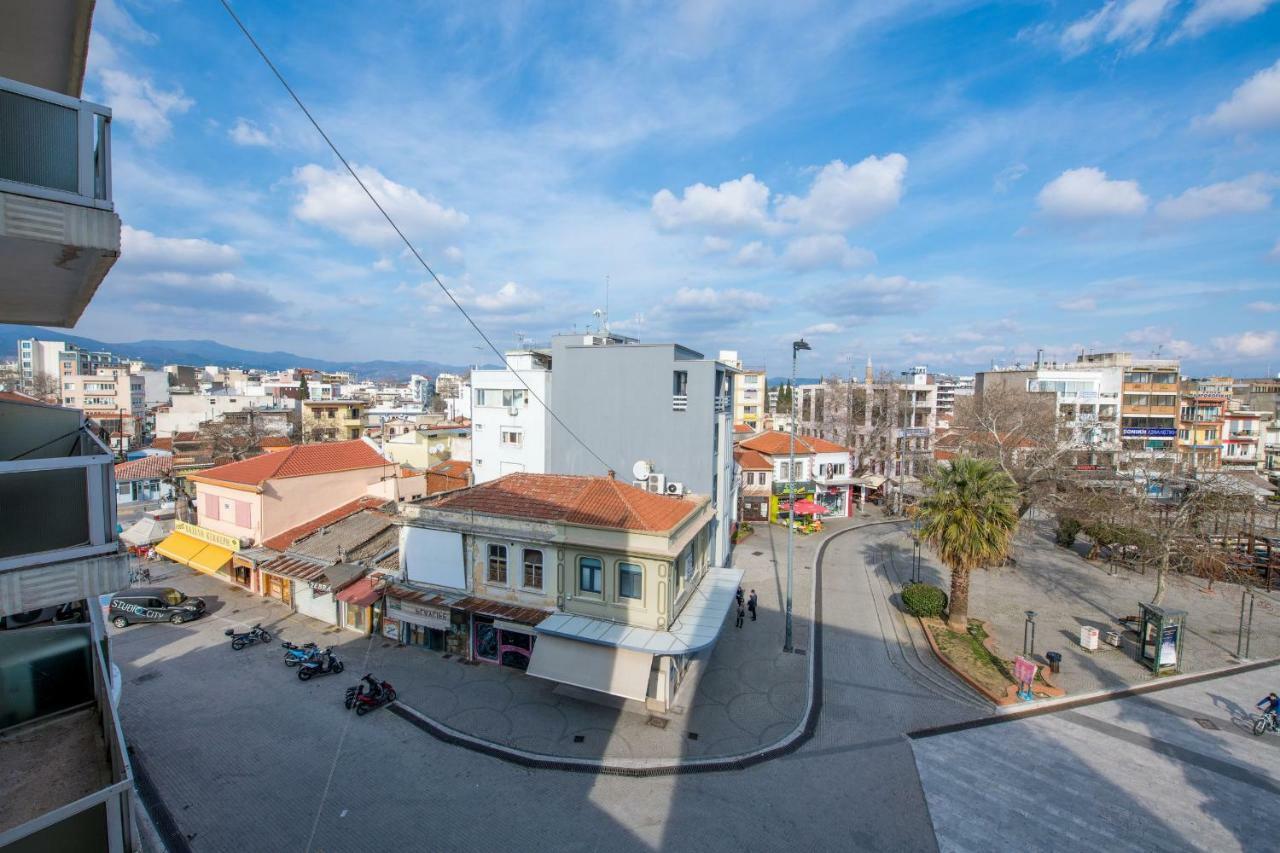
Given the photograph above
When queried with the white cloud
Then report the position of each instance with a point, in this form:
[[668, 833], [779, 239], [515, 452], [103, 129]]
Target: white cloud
[[822, 329], [108, 16], [843, 197], [1084, 303], [1245, 195], [753, 254], [873, 294], [509, 299], [707, 299], [454, 255], [384, 265], [735, 205], [825, 250], [1248, 344], [1208, 15], [245, 132], [1131, 24], [333, 200], [1274, 254], [1263, 307], [1009, 176], [1087, 193], [716, 245], [142, 105], [1161, 337], [1254, 105], [143, 250]]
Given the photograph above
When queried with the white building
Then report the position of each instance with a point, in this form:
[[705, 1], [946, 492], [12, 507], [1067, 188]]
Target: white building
[[509, 426], [186, 412]]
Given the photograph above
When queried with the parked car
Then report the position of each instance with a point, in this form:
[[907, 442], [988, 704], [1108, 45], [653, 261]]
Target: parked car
[[154, 604]]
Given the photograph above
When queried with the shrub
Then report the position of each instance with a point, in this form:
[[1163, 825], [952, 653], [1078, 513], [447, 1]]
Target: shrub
[[922, 599], [1067, 530]]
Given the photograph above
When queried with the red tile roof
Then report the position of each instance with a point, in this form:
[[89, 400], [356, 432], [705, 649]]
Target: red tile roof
[[275, 441], [283, 541], [750, 460], [162, 444], [152, 467], [300, 460], [776, 443], [455, 468], [742, 428], [595, 501]]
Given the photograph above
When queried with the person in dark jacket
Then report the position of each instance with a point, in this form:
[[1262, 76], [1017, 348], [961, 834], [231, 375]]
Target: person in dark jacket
[[751, 605], [741, 613]]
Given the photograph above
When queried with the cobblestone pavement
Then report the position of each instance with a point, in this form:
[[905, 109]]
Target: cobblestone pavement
[[1067, 592], [246, 757], [1170, 769]]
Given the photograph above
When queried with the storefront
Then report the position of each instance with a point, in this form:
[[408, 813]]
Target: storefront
[[425, 619], [203, 550], [498, 641], [360, 605], [836, 499]]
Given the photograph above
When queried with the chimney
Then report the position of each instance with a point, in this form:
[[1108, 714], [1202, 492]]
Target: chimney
[[611, 474]]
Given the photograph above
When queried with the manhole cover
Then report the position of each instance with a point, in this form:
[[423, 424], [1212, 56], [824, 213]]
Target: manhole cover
[[579, 738], [757, 553], [693, 735], [658, 722], [1207, 724]]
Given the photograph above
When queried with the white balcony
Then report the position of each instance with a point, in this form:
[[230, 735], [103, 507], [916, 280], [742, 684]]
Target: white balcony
[[59, 234], [723, 405], [58, 540], [679, 402]]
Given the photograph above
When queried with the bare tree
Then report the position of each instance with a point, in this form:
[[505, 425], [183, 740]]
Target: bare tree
[[46, 387], [237, 439]]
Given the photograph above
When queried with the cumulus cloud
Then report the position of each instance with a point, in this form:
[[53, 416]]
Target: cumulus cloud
[[1209, 15], [245, 132], [1254, 105], [753, 254], [737, 205], [1009, 176], [729, 300], [822, 329], [872, 295], [825, 250], [1128, 24], [1087, 193], [843, 197], [142, 105], [1250, 194], [1162, 337], [1263, 307], [712, 245], [144, 251], [1084, 303], [221, 293], [384, 265], [1248, 344], [332, 200]]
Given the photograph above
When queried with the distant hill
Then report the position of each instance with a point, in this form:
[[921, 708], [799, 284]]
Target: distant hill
[[211, 352]]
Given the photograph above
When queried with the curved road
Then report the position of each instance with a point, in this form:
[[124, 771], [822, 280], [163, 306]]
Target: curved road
[[381, 783]]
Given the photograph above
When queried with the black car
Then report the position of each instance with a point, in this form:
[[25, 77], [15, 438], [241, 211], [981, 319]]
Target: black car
[[154, 604]]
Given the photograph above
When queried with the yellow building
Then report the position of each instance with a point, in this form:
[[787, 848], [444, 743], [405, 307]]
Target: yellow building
[[426, 448], [1200, 427], [332, 420]]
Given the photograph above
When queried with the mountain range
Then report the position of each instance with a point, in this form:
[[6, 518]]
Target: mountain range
[[200, 353]]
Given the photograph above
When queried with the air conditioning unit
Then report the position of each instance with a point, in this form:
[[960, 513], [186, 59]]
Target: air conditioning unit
[[641, 484], [657, 483], [674, 488]]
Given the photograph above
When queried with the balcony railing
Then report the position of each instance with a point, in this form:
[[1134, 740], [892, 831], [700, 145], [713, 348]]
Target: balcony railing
[[53, 146], [679, 402], [723, 405]]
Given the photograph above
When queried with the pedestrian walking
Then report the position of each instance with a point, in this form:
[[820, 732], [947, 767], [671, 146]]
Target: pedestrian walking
[[751, 605], [741, 613], [740, 596]]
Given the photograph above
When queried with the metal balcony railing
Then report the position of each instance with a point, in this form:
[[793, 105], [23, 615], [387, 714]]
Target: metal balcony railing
[[723, 405], [53, 146], [679, 402]]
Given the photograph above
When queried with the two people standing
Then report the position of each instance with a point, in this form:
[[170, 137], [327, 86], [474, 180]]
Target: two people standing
[[750, 605]]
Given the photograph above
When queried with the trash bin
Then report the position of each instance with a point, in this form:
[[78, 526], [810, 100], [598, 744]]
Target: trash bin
[[1055, 661]]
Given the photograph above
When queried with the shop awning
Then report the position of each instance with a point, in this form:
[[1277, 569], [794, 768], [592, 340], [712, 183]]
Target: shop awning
[[362, 593], [180, 547], [146, 531], [210, 560], [871, 481], [804, 508], [618, 672]]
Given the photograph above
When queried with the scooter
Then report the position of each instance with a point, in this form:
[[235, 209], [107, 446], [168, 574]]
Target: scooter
[[248, 638], [294, 655], [323, 663], [378, 694]]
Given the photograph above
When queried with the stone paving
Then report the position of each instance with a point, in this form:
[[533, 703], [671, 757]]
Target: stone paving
[[1170, 769], [1067, 592]]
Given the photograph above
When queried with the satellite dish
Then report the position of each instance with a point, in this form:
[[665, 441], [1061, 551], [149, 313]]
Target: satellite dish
[[641, 470], [436, 448]]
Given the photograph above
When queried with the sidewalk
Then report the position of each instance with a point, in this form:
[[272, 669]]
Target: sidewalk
[[748, 694]]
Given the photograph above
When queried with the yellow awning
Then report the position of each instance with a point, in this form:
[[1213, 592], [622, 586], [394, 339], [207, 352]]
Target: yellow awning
[[211, 559], [180, 547]]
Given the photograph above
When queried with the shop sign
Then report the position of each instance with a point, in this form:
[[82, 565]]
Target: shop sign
[[318, 588], [418, 614], [390, 629], [917, 432], [1149, 432]]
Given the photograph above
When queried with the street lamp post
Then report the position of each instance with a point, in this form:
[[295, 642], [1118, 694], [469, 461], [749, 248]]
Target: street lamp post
[[1029, 634], [915, 554], [796, 346]]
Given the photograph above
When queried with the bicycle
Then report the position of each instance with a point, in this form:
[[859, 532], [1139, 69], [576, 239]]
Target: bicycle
[[1266, 723]]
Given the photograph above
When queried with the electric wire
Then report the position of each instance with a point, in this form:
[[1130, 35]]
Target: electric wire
[[408, 244]]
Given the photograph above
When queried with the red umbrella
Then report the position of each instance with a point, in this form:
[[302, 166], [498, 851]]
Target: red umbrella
[[805, 507]]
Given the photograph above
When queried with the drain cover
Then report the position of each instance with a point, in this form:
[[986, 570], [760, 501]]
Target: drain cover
[[658, 722], [693, 735], [579, 738], [1207, 724], [757, 553]]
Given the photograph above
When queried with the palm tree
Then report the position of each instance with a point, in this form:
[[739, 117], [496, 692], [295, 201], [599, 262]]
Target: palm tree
[[969, 517]]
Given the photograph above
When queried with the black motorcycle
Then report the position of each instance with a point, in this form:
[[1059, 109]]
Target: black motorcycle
[[324, 663], [248, 638], [364, 701]]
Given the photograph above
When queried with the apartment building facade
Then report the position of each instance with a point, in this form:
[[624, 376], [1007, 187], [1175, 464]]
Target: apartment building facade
[[111, 396], [750, 393], [332, 420], [1201, 418]]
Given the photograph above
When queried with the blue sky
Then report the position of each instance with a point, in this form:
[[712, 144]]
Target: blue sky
[[943, 183]]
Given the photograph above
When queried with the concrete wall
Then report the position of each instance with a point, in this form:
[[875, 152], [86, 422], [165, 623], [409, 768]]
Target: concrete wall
[[226, 520]]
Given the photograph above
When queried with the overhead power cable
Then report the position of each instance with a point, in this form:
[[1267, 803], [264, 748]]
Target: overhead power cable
[[408, 244]]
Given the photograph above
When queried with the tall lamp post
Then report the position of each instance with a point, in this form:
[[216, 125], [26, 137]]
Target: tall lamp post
[[796, 346]]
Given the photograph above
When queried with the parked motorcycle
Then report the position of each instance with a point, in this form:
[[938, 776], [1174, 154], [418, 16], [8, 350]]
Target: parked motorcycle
[[294, 655], [247, 638], [323, 663], [378, 694]]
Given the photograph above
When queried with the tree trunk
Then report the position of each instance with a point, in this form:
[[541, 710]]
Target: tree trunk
[[1161, 571], [958, 605]]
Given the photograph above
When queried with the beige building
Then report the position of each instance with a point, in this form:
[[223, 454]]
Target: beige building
[[750, 393], [112, 396], [332, 420], [584, 581], [427, 447]]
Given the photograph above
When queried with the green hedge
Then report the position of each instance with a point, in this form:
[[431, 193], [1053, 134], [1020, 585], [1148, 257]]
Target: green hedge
[[922, 599], [1067, 530]]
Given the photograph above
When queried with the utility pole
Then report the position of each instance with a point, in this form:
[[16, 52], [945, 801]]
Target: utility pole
[[796, 346]]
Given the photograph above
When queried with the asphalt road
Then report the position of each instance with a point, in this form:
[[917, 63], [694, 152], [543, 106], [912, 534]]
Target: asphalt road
[[246, 757]]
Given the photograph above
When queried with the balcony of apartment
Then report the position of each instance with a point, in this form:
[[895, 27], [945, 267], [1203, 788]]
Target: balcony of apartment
[[58, 538], [59, 234], [68, 783]]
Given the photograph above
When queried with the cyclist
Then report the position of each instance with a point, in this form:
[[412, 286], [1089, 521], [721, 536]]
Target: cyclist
[[1270, 707]]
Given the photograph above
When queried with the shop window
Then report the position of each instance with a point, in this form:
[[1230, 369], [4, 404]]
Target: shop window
[[497, 564], [532, 568], [630, 581], [355, 617], [590, 575]]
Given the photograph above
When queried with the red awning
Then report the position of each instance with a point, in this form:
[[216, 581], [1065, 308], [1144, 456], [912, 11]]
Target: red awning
[[805, 507], [362, 593]]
